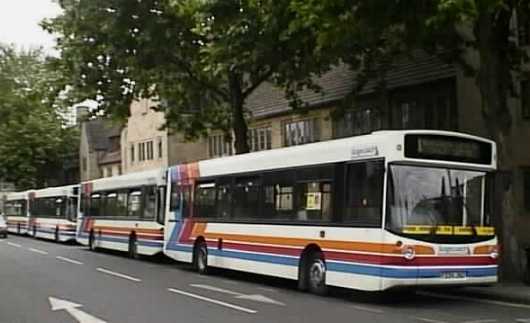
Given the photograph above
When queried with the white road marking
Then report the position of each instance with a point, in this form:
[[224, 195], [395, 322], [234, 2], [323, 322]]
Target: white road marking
[[522, 320], [481, 321], [72, 261], [113, 273], [368, 309], [250, 297], [214, 301], [429, 320], [216, 289], [272, 290], [14, 244], [58, 304], [476, 300], [42, 252]]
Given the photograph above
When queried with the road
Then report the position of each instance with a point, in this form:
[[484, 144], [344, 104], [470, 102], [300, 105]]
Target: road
[[110, 288]]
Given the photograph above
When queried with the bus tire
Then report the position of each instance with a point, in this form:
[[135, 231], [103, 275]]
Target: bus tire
[[200, 258], [91, 241], [133, 247], [315, 273], [56, 234]]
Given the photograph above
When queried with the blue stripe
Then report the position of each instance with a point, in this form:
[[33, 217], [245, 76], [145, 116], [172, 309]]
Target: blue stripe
[[412, 272]]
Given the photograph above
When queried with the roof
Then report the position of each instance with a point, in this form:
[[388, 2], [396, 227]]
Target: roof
[[98, 132], [110, 158], [136, 179], [268, 99]]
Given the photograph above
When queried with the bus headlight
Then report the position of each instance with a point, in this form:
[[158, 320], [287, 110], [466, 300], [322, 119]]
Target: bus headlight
[[494, 252], [409, 253]]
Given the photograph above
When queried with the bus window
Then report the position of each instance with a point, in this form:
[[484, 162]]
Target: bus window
[[161, 204], [364, 194], [205, 200], [224, 200], [134, 205], [150, 203], [94, 207], [278, 195], [314, 201], [71, 211], [246, 198]]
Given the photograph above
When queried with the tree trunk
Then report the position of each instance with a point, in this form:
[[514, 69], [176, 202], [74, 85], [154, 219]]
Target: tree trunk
[[494, 80], [239, 124]]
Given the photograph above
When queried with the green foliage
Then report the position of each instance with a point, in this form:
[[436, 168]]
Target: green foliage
[[33, 141], [202, 59]]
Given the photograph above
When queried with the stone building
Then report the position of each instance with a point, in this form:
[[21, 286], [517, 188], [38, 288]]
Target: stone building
[[99, 149]]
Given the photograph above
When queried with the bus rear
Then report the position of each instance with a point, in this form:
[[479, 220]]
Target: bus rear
[[16, 212]]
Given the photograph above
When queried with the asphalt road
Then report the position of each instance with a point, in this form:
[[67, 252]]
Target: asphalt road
[[108, 287]]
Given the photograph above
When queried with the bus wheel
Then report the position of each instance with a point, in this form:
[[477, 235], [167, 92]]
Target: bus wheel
[[133, 247], [316, 274], [56, 234], [91, 241], [200, 258]]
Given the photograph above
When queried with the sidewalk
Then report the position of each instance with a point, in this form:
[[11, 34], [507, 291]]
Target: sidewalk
[[506, 292]]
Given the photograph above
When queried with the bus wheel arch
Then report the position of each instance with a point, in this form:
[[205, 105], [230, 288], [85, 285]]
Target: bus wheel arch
[[312, 270], [200, 256]]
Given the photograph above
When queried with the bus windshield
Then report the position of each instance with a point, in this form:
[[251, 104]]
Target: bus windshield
[[435, 198]]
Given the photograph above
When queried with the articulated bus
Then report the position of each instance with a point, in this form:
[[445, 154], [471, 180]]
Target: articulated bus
[[53, 213], [373, 212], [124, 213], [17, 212]]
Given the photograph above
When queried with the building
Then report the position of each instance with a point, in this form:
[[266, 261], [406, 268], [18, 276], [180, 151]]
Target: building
[[147, 144], [99, 149]]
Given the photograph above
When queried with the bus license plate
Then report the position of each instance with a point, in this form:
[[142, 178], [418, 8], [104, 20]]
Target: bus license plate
[[454, 275]]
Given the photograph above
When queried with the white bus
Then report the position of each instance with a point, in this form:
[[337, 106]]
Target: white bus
[[124, 213], [53, 213], [373, 212], [16, 212]]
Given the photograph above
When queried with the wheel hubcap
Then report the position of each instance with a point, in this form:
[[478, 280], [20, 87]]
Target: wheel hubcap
[[317, 272]]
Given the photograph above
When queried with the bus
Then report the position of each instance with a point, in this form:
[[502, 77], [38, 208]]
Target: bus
[[16, 211], [384, 210], [53, 213], [124, 213]]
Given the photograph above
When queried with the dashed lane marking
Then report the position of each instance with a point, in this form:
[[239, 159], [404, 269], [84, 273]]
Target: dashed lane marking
[[476, 300], [72, 261], [368, 309], [214, 301], [14, 244], [113, 273], [522, 320], [481, 321], [42, 252], [423, 319]]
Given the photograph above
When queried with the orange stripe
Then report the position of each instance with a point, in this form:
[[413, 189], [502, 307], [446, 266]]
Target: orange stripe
[[484, 250], [199, 229]]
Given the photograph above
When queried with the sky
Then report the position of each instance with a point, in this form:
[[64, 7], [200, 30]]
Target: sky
[[19, 23]]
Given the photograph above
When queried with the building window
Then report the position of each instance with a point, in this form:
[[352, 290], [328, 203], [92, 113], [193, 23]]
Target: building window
[[358, 122], [526, 188], [523, 28], [150, 151], [525, 99], [301, 132], [260, 139], [141, 151], [218, 146], [160, 151], [132, 153]]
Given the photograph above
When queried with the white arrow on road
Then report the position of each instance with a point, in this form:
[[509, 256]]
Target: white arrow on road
[[58, 304], [252, 297]]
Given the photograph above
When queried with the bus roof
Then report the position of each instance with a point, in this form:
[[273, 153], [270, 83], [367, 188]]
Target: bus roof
[[375, 145], [149, 177], [54, 191]]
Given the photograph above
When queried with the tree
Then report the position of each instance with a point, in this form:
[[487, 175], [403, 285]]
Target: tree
[[33, 140], [202, 59], [476, 34]]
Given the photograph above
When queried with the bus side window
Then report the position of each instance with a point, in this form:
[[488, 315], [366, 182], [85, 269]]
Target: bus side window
[[364, 194], [205, 200], [161, 204], [134, 205], [150, 202]]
